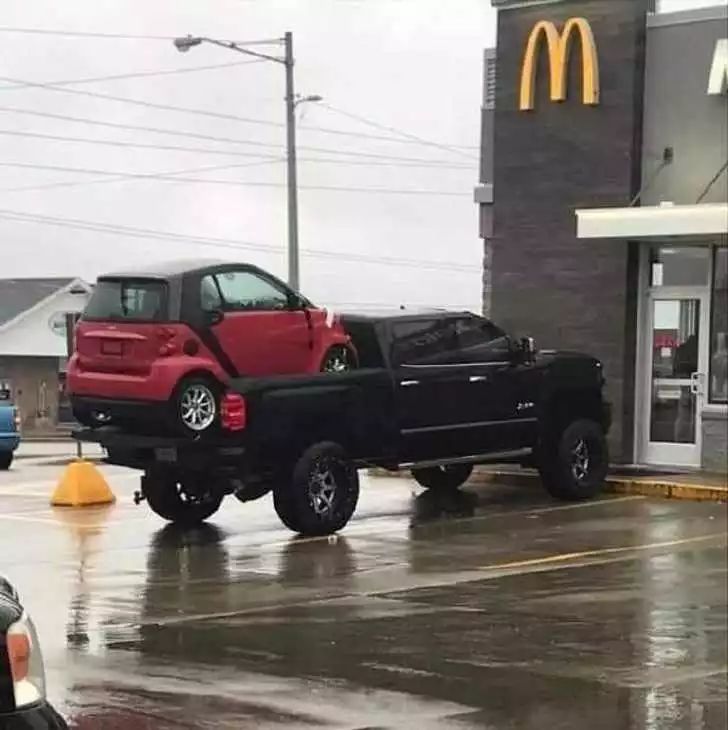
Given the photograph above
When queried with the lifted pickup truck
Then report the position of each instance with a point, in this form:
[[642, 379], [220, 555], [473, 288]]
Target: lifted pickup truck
[[435, 393]]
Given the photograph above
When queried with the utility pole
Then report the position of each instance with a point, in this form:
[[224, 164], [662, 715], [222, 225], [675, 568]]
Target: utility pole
[[184, 44], [293, 258]]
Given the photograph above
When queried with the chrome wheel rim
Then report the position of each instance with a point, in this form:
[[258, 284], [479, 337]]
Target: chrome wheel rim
[[198, 408], [337, 362], [322, 489], [580, 460]]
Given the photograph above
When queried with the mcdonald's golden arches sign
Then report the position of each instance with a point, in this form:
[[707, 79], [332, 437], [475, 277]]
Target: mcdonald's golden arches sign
[[559, 46]]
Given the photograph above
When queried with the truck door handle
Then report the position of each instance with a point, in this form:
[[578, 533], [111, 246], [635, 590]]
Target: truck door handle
[[409, 383], [478, 378]]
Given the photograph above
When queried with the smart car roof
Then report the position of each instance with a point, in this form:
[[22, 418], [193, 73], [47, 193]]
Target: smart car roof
[[171, 269]]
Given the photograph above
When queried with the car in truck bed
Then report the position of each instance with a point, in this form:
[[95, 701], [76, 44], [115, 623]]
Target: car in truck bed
[[435, 393]]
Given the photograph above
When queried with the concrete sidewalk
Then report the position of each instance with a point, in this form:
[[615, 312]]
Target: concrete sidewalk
[[684, 485], [700, 486]]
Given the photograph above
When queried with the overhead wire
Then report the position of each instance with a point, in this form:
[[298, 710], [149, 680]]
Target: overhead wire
[[401, 133], [119, 36], [156, 234], [234, 183], [203, 136], [404, 162], [135, 75], [404, 137]]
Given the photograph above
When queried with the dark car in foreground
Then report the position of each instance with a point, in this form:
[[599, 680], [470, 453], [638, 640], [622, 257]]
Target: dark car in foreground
[[23, 704], [436, 393]]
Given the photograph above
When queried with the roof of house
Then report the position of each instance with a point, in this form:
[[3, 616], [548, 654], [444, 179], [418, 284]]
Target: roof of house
[[19, 295]]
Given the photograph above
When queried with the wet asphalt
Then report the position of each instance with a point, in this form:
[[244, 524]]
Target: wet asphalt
[[496, 608]]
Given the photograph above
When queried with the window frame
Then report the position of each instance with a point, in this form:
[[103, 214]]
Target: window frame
[[711, 332], [227, 307]]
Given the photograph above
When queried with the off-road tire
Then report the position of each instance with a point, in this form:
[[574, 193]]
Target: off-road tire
[[443, 478], [168, 498], [321, 494], [574, 465]]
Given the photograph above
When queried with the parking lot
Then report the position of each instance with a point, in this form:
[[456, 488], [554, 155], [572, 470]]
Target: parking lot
[[493, 608]]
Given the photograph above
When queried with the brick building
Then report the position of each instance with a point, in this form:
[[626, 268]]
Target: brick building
[[604, 212], [33, 345]]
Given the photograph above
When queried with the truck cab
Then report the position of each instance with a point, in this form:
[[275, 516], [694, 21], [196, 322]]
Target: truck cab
[[9, 427]]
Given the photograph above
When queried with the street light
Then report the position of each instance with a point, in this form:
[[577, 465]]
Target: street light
[[183, 44]]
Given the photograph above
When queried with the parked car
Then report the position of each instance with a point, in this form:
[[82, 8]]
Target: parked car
[[435, 393], [159, 346], [9, 428], [23, 703]]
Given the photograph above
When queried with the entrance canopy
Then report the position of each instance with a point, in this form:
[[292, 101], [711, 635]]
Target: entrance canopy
[[645, 222]]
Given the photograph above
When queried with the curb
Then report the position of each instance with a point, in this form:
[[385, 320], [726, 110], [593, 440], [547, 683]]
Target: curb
[[615, 485]]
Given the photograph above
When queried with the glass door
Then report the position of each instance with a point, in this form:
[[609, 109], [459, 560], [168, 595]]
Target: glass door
[[677, 332]]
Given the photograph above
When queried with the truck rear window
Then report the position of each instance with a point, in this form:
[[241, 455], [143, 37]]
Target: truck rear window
[[128, 299]]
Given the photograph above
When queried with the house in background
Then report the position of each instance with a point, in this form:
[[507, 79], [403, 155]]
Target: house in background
[[34, 345]]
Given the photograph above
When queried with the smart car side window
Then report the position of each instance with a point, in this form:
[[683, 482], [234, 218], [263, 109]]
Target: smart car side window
[[246, 291], [424, 342], [210, 300]]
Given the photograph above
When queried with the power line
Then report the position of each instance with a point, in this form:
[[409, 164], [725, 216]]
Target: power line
[[135, 75], [206, 137], [155, 234], [121, 177], [394, 130], [234, 183], [117, 36], [409, 138], [142, 102], [403, 162]]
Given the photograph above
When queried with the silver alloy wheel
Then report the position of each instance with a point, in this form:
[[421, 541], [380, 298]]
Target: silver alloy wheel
[[580, 460], [322, 489], [197, 407], [337, 361]]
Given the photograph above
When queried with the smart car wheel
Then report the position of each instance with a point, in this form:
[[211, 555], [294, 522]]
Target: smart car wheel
[[197, 406], [339, 359], [443, 478]]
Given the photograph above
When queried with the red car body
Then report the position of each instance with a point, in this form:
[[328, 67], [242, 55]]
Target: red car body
[[144, 332]]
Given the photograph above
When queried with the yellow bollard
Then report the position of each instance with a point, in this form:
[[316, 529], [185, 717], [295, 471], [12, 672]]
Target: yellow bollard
[[82, 485]]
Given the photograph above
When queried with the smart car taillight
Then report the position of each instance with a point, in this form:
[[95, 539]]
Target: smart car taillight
[[233, 415]]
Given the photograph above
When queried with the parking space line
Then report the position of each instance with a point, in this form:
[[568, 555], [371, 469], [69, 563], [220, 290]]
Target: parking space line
[[564, 557]]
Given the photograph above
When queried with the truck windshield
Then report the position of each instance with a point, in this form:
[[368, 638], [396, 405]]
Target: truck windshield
[[128, 299]]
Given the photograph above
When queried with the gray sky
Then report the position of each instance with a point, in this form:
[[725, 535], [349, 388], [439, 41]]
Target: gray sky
[[410, 64]]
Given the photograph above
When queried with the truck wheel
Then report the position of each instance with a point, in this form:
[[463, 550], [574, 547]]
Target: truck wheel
[[443, 478], [322, 494], [6, 459], [196, 406], [339, 359], [576, 465], [182, 502]]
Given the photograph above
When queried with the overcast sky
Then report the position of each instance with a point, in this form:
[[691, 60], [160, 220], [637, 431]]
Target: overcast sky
[[412, 65]]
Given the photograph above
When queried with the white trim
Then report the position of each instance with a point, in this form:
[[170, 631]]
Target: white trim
[[651, 221], [40, 304]]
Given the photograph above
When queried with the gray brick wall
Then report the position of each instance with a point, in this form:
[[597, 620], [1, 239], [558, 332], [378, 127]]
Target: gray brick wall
[[715, 441], [545, 283]]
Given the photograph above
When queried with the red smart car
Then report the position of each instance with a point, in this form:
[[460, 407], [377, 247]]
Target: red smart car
[[160, 344]]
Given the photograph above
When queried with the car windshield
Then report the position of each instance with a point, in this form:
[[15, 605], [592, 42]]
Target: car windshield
[[128, 299]]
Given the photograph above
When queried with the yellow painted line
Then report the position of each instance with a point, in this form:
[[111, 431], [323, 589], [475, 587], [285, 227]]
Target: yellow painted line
[[563, 557]]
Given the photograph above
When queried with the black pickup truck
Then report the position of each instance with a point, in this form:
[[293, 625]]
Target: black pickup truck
[[435, 393]]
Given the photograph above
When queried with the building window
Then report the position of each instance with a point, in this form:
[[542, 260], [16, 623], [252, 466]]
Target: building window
[[719, 329]]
